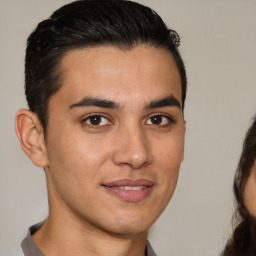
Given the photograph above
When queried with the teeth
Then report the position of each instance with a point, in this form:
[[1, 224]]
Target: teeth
[[132, 188]]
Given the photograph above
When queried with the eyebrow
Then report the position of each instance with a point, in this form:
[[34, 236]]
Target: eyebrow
[[164, 102], [97, 102], [102, 103]]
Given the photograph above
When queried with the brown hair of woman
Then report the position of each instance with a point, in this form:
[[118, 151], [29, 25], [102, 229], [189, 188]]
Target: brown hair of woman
[[243, 239]]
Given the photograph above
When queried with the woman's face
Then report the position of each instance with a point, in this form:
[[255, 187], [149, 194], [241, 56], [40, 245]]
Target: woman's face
[[250, 191]]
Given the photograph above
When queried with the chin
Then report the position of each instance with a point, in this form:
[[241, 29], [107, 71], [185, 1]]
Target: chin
[[131, 226], [129, 230]]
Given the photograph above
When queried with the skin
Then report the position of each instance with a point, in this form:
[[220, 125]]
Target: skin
[[250, 192], [136, 139]]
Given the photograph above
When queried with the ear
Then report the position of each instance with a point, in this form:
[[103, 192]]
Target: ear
[[31, 137]]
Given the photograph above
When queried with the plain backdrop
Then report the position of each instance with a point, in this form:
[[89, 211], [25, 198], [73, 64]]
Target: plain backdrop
[[218, 44]]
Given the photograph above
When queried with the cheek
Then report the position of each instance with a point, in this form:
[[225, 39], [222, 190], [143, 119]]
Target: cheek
[[168, 159], [169, 153], [75, 167], [75, 157], [250, 194]]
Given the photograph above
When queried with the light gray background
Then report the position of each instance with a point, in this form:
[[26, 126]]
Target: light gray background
[[219, 50]]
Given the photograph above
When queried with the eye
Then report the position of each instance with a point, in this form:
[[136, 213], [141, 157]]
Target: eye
[[95, 120], [160, 120]]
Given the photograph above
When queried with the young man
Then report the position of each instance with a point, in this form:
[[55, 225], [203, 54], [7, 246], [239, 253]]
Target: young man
[[106, 86]]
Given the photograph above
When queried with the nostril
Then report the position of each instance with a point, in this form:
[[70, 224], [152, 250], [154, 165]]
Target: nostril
[[134, 161]]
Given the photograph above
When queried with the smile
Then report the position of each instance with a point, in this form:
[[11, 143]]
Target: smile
[[129, 190]]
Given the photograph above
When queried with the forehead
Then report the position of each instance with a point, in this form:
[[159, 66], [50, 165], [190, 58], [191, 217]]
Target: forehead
[[97, 71]]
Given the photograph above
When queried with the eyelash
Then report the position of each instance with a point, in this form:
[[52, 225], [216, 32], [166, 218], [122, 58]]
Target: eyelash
[[95, 126], [169, 118]]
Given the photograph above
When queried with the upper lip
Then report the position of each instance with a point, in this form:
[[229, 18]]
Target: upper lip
[[130, 183]]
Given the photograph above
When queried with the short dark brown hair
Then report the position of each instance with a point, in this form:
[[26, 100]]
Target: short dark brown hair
[[88, 23]]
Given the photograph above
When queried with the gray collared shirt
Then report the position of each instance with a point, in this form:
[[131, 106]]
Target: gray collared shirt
[[29, 248]]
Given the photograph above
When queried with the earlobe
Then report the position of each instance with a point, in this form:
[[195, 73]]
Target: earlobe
[[31, 137]]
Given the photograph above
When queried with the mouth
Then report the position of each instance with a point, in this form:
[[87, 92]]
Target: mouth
[[129, 190]]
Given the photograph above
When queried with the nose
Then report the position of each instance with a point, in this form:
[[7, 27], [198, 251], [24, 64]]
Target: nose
[[132, 148]]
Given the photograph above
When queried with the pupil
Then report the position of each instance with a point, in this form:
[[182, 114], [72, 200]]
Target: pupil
[[95, 120], [156, 120]]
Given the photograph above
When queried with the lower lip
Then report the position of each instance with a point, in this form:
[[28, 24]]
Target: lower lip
[[130, 195]]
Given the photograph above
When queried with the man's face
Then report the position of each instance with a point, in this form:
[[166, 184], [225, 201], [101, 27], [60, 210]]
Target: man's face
[[115, 137]]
